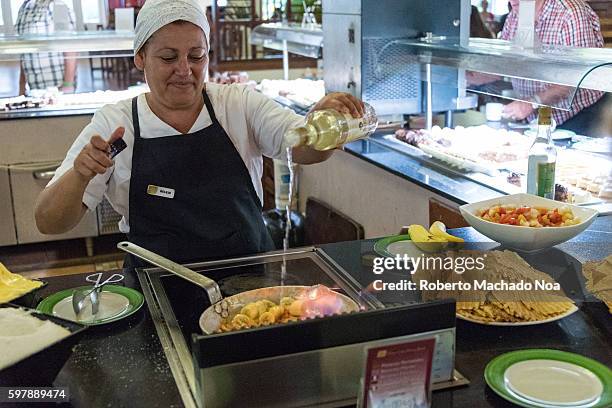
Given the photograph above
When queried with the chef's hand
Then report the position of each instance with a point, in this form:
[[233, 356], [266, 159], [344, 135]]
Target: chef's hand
[[342, 102], [94, 157], [517, 110]]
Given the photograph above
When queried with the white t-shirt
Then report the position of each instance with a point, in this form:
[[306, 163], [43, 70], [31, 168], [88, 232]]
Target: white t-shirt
[[254, 123]]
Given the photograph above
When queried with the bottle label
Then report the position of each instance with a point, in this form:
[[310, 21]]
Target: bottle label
[[357, 128], [546, 180]]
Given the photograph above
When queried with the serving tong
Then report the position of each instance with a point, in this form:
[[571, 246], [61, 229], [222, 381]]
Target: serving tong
[[80, 295]]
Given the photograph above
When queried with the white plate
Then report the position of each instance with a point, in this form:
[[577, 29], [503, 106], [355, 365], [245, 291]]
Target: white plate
[[553, 382], [570, 311], [405, 247], [111, 305]]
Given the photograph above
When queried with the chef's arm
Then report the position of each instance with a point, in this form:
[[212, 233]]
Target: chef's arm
[[306, 155], [60, 207], [342, 102]]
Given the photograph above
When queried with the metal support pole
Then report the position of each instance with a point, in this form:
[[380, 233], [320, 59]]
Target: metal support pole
[[429, 94], [448, 119], [285, 61], [78, 15], [7, 17]]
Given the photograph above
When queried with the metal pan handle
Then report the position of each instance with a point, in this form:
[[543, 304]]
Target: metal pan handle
[[209, 285]]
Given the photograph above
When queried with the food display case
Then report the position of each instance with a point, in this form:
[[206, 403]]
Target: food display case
[[418, 74], [320, 358]]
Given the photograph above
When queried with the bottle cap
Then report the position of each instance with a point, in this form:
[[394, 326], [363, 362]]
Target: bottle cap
[[544, 114]]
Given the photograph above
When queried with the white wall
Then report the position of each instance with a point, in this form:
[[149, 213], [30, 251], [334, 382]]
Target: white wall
[[375, 198]]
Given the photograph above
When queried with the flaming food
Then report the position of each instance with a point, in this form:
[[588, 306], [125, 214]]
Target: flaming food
[[317, 301]]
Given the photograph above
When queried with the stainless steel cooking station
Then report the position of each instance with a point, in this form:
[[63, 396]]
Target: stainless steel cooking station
[[320, 360]]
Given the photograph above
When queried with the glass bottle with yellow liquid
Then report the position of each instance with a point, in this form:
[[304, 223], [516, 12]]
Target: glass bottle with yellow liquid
[[327, 129], [542, 158]]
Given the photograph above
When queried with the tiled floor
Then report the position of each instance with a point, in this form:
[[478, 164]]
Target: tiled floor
[[67, 257]]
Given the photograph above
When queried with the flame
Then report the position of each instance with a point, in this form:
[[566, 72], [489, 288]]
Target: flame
[[319, 301]]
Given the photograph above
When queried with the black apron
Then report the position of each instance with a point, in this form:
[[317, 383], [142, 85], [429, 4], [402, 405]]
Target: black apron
[[192, 198]]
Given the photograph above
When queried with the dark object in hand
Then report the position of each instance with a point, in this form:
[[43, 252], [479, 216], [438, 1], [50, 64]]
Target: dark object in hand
[[117, 147], [561, 193]]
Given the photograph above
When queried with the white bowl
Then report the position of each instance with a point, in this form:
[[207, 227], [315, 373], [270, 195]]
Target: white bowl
[[527, 238]]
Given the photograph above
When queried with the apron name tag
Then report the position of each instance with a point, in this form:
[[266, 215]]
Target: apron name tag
[[160, 191]]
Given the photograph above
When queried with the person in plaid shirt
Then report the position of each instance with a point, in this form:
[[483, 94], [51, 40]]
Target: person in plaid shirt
[[558, 22], [42, 70]]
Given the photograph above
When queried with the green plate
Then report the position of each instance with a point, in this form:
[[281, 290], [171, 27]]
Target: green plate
[[135, 298], [380, 246], [495, 370]]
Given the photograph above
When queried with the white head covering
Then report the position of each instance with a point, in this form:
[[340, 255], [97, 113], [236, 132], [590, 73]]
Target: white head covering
[[157, 13]]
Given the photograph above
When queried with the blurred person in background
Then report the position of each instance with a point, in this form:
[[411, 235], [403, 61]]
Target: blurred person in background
[[503, 18], [486, 15], [569, 23], [49, 69], [478, 28]]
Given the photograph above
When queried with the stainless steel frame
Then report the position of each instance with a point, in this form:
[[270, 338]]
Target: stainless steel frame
[[11, 45], [552, 64], [337, 384], [178, 357]]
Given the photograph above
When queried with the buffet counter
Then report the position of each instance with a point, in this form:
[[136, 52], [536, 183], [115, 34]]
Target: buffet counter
[[123, 363], [409, 186]]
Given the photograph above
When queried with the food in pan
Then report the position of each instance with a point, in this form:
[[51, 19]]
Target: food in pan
[[493, 295], [13, 286], [529, 216], [317, 301], [22, 334], [599, 279], [263, 313]]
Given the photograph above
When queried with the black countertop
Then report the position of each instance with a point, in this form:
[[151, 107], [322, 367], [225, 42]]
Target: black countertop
[[587, 332], [123, 364]]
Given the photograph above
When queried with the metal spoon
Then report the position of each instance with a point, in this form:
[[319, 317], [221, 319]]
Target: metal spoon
[[79, 296]]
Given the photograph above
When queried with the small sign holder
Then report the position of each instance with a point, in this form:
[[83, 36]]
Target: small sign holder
[[398, 374]]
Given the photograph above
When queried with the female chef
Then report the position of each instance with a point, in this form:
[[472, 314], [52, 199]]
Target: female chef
[[188, 185]]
